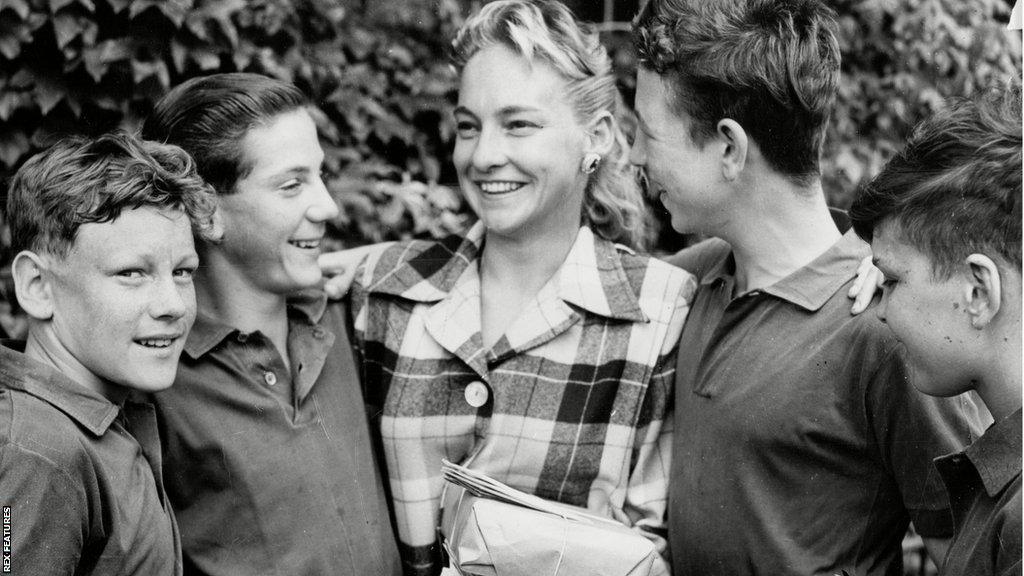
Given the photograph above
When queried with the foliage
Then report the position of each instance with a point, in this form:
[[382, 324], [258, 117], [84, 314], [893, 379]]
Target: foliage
[[379, 77], [901, 60]]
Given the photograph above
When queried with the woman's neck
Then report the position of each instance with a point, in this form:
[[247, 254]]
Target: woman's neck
[[512, 272]]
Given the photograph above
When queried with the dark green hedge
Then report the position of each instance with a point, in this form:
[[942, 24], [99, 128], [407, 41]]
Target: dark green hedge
[[377, 71]]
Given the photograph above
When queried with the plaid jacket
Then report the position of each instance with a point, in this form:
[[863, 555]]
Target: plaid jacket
[[578, 391]]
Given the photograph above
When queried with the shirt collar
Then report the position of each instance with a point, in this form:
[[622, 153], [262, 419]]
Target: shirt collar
[[592, 276], [811, 286], [997, 454], [87, 407], [207, 332]]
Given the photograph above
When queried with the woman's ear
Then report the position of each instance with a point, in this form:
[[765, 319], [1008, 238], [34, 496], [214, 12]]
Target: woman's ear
[[32, 284], [601, 134], [983, 290], [733, 143]]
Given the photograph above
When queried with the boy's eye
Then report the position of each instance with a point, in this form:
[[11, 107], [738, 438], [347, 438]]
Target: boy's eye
[[185, 273], [132, 273], [291, 185]]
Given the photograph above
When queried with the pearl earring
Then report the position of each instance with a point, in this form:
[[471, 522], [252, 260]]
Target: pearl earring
[[591, 160]]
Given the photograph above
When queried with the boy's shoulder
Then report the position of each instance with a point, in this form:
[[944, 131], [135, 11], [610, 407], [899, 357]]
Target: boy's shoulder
[[34, 430]]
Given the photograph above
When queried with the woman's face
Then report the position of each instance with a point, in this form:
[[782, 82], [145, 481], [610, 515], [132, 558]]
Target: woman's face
[[519, 146]]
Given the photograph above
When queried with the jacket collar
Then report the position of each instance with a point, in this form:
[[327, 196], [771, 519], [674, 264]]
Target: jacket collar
[[87, 407], [592, 276]]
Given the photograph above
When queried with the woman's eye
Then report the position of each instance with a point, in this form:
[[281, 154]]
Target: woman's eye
[[465, 129], [521, 127], [132, 273], [292, 185]]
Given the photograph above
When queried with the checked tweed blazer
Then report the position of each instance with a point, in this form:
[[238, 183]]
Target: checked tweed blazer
[[578, 391]]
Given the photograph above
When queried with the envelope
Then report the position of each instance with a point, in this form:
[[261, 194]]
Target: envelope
[[490, 538]]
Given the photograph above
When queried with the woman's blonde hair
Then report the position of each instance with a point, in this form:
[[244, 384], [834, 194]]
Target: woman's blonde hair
[[547, 31]]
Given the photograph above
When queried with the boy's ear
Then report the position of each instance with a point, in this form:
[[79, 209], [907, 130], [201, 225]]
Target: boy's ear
[[983, 290], [32, 284], [733, 140], [601, 134]]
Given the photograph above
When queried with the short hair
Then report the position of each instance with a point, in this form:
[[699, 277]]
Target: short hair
[[80, 181], [209, 117], [955, 189], [547, 31], [770, 65]]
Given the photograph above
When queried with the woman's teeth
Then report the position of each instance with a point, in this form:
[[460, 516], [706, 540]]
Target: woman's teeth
[[499, 187]]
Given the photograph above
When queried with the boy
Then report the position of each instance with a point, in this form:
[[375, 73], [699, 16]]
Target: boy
[[799, 448], [102, 232], [944, 222], [270, 466]]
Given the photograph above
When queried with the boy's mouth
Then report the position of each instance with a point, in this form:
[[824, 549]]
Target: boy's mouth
[[158, 343]]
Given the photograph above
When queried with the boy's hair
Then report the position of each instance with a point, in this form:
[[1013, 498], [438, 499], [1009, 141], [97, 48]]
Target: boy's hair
[[209, 116], [770, 65], [79, 181], [955, 189]]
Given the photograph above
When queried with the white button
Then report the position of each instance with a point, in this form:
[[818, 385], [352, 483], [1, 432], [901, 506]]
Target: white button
[[476, 394], [270, 378]]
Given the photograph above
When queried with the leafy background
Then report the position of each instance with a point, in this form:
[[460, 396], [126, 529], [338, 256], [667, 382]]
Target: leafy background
[[378, 74]]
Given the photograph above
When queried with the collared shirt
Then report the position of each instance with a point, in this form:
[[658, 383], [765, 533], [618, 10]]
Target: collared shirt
[[81, 477], [800, 447], [572, 403], [983, 483], [270, 469]]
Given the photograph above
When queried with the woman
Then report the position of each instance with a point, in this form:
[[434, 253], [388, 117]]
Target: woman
[[534, 349]]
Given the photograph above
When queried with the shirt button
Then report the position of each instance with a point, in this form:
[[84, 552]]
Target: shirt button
[[270, 378], [242, 337], [476, 394]]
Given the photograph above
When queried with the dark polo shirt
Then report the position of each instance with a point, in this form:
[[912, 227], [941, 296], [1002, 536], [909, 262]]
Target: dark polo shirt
[[984, 491], [81, 477], [800, 448], [270, 470]]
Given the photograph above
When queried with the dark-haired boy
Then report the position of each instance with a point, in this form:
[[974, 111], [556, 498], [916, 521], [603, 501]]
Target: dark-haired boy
[[944, 222], [799, 447], [102, 232]]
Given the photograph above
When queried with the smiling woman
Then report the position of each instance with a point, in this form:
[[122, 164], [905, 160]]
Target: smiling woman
[[534, 349]]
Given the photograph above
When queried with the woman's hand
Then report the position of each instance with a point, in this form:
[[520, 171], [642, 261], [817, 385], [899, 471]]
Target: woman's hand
[[869, 279], [340, 267]]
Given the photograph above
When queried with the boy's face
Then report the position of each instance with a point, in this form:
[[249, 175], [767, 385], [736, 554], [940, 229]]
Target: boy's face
[[680, 173], [274, 222], [926, 314], [123, 299]]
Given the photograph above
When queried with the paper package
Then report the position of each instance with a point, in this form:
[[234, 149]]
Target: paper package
[[487, 537]]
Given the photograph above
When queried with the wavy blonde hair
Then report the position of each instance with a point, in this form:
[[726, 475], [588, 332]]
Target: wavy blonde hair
[[546, 30]]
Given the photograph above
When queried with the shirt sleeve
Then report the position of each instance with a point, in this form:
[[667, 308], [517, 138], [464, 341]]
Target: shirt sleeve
[[911, 429], [48, 513], [647, 491]]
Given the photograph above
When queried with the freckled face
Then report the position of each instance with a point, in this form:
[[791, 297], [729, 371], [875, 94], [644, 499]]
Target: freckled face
[[927, 315], [124, 299], [519, 146]]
